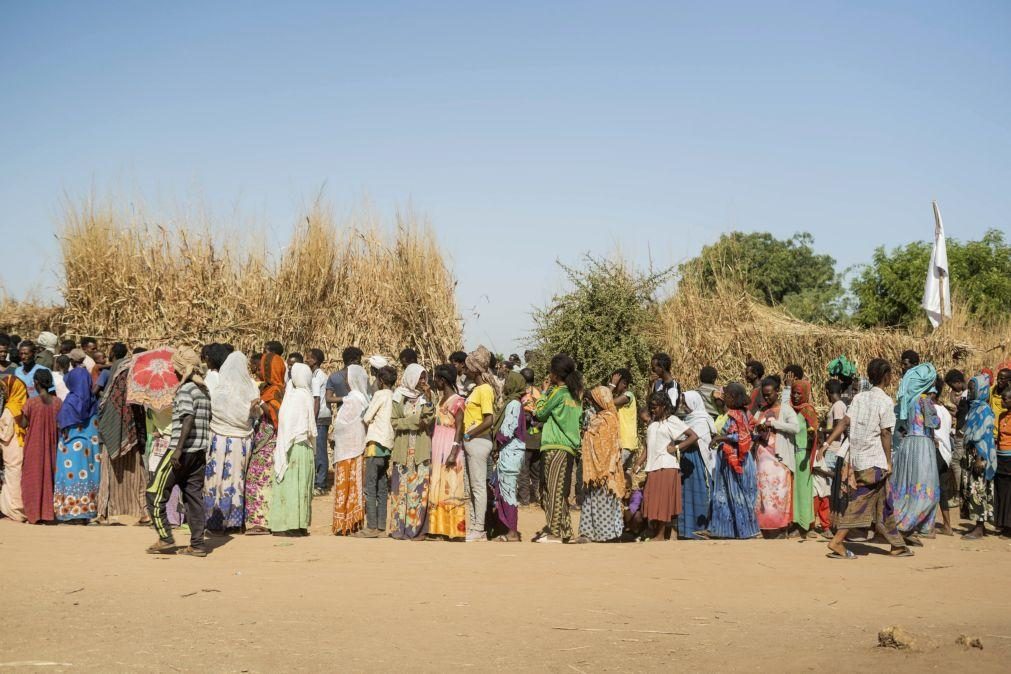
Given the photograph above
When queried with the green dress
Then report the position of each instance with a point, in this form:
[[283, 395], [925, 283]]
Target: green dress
[[803, 480], [291, 497]]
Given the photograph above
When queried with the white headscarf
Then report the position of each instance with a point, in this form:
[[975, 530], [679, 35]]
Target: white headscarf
[[232, 394], [700, 422], [348, 429], [296, 420], [378, 362], [408, 389], [48, 341]]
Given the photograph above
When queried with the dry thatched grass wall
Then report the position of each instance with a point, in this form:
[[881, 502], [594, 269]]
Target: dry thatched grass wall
[[727, 327], [147, 282]]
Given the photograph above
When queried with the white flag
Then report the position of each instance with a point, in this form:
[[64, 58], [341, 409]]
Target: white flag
[[937, 291]]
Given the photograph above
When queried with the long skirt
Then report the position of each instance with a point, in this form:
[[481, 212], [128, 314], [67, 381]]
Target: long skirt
[[291, 498], [733, 513], [803, 490], [914, 487], [409, 492], [869, 505], [694, 495], [558, 474], [447, 492], [661, 498], [123, 483], [260, 476], [505, 484], [12, 504], [600, 517], [349, 502], [775, 491], [977, 495], [225, 482], [1002, 493], [78, 476]]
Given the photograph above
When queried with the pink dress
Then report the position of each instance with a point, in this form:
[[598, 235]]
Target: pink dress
[[775, 482], [447, 495]]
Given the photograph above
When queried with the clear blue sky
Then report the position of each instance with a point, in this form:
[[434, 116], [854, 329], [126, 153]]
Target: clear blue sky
[[546, 128]]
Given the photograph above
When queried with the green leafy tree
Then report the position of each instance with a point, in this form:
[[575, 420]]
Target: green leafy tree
[[602, 322], [889, 290], [787, 273]]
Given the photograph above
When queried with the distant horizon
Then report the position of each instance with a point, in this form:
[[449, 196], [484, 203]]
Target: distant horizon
[[546, 131]]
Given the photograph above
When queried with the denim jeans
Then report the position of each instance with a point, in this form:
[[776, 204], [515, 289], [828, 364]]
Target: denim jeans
[[377, 490], [322, 460]]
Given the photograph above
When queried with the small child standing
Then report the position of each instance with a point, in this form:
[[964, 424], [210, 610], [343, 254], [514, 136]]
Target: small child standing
[[378, 442], [828, 462], [662, 496]]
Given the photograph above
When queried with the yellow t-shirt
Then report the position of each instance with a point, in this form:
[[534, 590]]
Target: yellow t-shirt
[[480, 402], [627, 420]]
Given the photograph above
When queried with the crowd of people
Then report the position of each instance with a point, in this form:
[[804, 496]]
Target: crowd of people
[[243, 444]]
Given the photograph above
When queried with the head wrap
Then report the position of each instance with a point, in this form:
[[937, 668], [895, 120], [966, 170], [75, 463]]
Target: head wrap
[[602, 446], [186, 361], [48, 340], [805, 408], [700, 422], [378, 362], [272, 371], [915, 382], [232, 397], [296, 420], [80, 405], [408, 389], [358, 380], [348, 429], [514, 388], [979, 425], [479, 360], [13, 396]]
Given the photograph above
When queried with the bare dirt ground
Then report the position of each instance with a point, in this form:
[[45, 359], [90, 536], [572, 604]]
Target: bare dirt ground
[[89, 599]]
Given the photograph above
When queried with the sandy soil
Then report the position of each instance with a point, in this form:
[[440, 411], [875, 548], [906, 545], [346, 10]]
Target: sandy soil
[[88, 598]]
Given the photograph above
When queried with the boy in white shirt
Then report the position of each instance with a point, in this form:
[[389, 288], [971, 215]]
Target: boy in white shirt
[[378, 443]]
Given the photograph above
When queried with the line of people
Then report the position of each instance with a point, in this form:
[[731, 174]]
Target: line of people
[[453, 452]]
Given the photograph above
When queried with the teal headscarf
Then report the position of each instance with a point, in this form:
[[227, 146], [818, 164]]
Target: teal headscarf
[[842, 367], [917, 381], [979, 435]]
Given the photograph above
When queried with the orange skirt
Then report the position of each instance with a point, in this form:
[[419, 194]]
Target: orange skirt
[[349, 504], [662, 495]]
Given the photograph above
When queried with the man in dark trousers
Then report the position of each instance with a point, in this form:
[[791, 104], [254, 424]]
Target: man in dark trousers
[[186, 459]]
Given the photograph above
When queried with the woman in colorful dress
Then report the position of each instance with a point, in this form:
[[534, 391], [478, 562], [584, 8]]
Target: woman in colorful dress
[[735, 478], [38, 470], [776, 426], [600, 517], [234, 400], [510, 431], [411, 456], [13, 502], [980, 460], [447, 492], [348, 432], [914, 486], [696, 467], [806, 449], [561, 411], [75, 493], [260, 473], [294, 457]]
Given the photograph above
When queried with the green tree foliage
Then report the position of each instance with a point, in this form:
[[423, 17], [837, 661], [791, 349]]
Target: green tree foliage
[[602, 322], [889, 290], [787, 273]]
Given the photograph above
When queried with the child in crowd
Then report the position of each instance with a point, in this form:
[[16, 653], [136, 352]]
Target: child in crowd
[[624, 400], [378, 443], [662, 495], [827, 460]]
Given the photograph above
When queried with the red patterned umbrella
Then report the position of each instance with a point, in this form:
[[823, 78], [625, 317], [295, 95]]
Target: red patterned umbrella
[[153, 380]]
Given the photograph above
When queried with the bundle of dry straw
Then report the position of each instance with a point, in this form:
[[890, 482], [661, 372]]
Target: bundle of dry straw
[[726, 327], [148, 282]]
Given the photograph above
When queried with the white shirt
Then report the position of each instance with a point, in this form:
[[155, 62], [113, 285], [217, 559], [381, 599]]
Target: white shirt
[[943, 433], [673, 390], [318, 388], [379, 417], [659, 435], [870, 413]]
